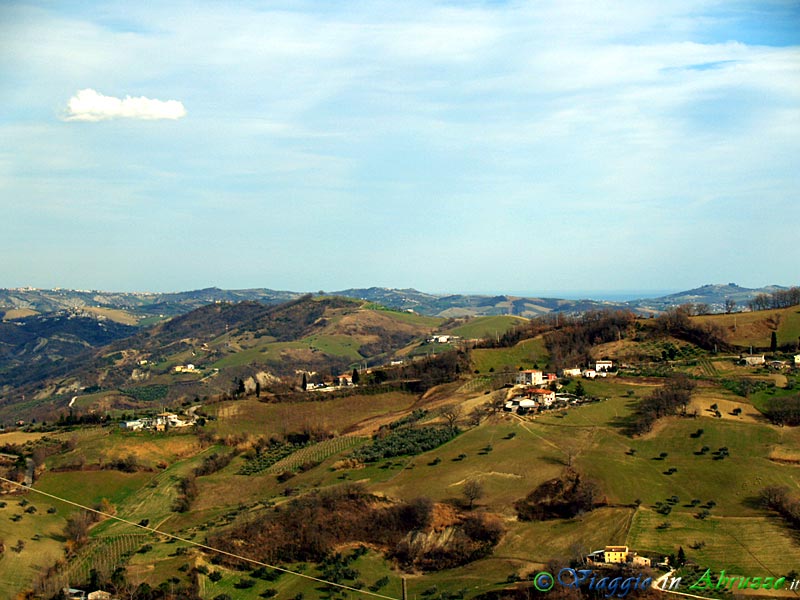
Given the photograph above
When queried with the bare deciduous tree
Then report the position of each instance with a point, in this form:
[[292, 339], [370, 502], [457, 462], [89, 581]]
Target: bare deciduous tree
[[473, 490], [452, 414]]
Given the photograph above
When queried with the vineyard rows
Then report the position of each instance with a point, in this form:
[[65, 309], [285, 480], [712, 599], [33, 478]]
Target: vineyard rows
[[103, 554], [316, 453], [267, 458]]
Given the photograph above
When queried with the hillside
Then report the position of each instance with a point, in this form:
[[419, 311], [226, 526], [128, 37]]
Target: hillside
[[366, 484], [224, 343]]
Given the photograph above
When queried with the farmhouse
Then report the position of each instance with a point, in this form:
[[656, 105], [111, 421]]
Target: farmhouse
[[576, 372], [618, 555], [754, 361], [589, 373], [529, 377], [603, 365], [190, 368], [615, 554], [344, 380], [442, 339], [546, 397], [797, 360]]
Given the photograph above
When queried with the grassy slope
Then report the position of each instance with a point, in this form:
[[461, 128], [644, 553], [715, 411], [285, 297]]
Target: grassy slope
[[482, 327], [525, 354], [17, 569], [737, 535], [259, 418], [753, 328]]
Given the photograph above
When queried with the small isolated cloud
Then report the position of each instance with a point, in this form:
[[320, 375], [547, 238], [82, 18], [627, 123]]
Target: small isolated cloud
[[89, 105]]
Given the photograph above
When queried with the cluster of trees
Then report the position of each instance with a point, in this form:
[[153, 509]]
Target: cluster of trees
[[571, 343], [564, 497], [777, 299], [569, 338], [187, 492], [666, 400], [780, 499], [404, 441], [676, 322], [473, 538], [310, 527], [213, 463], [782, 410], [147, 393], [431, 371], [80, 419]]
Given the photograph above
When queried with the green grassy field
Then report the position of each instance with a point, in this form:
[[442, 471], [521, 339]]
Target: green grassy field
[[40, 532], [739, 545], [527, 354], [90, 487], [507, 454], [482, 327], [344, 346]]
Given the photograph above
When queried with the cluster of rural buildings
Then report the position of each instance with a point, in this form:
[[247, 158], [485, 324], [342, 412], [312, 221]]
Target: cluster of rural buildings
[[615, 555], [160, 422], [759, 360], [534, 389]]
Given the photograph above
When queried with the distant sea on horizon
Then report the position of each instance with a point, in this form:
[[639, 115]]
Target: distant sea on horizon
[[609, 295]]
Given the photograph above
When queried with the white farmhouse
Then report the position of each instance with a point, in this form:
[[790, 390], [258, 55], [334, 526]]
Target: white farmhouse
[[754, 361], [529, 377], [602, 366]]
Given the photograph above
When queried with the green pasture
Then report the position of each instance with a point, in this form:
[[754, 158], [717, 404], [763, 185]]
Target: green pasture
[[747, 546], [90, 487], [344, 346], [41, 534], [507, 471], [602, 451], [527, 354], [484, 327], [413, 319]]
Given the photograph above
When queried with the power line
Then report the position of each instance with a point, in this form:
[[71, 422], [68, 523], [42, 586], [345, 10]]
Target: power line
[[199, 545]]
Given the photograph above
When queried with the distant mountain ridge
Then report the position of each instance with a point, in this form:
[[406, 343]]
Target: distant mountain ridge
[[145, 305]]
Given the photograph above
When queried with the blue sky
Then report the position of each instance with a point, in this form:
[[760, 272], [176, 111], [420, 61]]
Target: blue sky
[[449, 146]]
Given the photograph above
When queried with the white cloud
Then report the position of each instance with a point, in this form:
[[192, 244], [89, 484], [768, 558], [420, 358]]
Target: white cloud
[[89, 105]]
